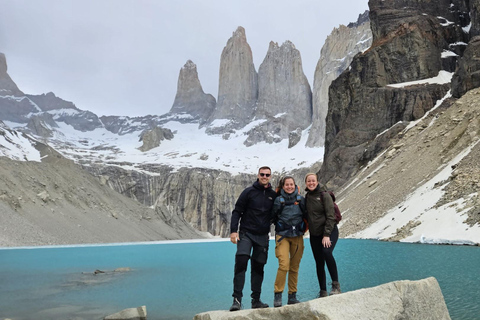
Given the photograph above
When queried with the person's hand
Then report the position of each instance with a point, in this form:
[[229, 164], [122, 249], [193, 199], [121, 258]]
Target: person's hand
[[234, 237], [326, 242]]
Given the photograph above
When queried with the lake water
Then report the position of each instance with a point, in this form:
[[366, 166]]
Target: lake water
[[178, 280]]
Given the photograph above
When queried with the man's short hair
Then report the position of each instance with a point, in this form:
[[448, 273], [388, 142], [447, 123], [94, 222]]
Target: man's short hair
[[264, 167]]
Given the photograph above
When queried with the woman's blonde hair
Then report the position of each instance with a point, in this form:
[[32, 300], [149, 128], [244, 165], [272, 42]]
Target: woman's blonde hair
[[310, 174]]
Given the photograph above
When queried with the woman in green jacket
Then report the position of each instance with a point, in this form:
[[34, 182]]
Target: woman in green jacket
[[323, 232]]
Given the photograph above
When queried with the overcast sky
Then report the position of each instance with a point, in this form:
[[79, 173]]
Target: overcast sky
[[123, 57]]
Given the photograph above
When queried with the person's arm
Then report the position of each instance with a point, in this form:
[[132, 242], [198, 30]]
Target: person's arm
[[237, 214], [330, 218], [275, 210], [303, 207]]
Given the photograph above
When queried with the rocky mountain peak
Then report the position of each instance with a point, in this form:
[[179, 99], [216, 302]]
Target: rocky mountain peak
[[337, 53], [238, 88], [49, 101], [190, 98], [7, 86], [284, 95], [240, 34]]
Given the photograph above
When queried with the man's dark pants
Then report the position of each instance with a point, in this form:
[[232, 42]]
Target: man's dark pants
[[259, 244]]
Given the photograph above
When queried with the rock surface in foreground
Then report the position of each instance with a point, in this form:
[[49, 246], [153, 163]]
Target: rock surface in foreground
[[406, 299], [139, 313]]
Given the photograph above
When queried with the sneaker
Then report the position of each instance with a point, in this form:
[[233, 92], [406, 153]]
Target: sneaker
[[257, 303], [292, 298], [237, 304], [277, 302], [322, 294], [335, 288]]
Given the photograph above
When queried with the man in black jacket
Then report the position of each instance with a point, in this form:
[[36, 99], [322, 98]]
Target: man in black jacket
[[252, 211]]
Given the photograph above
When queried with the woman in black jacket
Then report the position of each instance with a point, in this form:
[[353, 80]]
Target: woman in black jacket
[[323, 232]]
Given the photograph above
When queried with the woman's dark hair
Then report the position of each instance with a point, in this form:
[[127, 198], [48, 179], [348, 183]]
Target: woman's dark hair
[[281, 183]]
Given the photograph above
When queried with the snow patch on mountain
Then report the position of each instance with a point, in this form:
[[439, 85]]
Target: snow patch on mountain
[[191, 147], [442, 225]]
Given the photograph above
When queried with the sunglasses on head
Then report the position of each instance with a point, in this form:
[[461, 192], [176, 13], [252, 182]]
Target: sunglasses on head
[[264, 174]]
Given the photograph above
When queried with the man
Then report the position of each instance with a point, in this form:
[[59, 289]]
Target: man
[[252, 212]]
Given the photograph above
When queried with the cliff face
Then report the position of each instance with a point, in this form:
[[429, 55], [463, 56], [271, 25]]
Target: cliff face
[[238, 87], [201, 197], [408, 40], [336, 55], [190, 98], [467, 76], [204, 198], [284, 95]]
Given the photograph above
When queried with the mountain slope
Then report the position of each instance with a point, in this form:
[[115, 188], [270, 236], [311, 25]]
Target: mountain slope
[[424, 186], [56, 202]]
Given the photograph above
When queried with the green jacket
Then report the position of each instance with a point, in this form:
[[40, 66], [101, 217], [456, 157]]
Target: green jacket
[[320, 211]]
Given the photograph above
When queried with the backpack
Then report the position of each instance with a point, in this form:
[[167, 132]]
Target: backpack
[[303, 225], [338, 215]]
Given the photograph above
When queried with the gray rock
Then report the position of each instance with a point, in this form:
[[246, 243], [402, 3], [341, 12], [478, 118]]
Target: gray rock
[[190, 98], [408, 40], [475, 16], [139, 313], [42, 125], [7, 86], [48, 102], [336, 55], [467, 76], [238, 88], [152, 138], [420, 299], [200, 197], [284, 95], [283, 88]]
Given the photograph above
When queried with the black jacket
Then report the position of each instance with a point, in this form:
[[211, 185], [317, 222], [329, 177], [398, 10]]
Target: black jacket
[[253, 209]]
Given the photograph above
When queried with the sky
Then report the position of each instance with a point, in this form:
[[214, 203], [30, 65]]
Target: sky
[[123, 57]]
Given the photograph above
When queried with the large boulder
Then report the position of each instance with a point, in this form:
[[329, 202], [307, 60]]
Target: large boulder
[[139, 313], [398, 300], [152, 138]]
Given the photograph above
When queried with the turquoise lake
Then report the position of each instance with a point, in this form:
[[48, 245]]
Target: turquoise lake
[[178, 280]]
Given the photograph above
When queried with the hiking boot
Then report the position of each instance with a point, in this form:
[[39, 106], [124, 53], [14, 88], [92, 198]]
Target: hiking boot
[[277, 301], [237, 304], [292, 298], [257, 303], [335, 288], [322, 294]]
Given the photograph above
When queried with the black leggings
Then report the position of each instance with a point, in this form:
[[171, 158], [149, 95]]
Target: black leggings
[[322, 255]]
